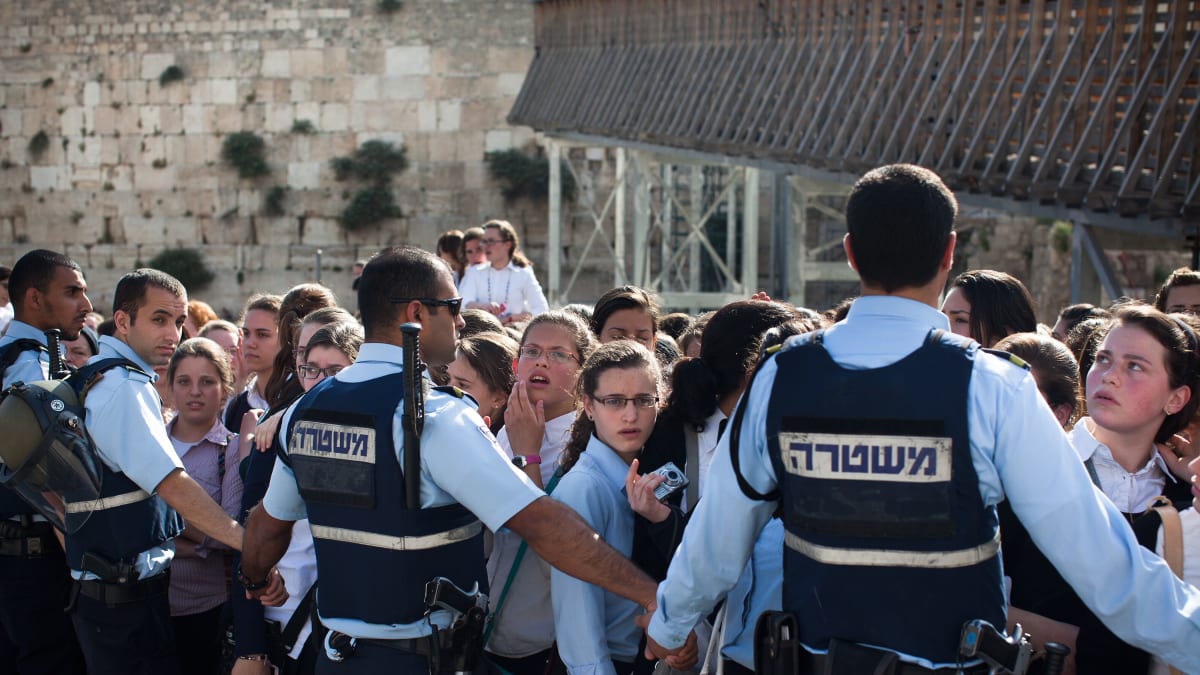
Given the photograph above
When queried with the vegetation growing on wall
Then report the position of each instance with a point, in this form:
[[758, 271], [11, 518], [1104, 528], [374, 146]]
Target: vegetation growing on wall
[[374, 163], [520, 176], [38, 144], [185, 264], [246, 151], [170, 74], [273, 200]]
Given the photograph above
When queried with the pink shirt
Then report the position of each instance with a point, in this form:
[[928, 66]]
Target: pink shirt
[[200, 583]]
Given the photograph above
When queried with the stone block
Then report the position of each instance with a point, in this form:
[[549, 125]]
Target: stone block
[[334, 117], [509, 59], [171, 120], [366, 88], [304, 175], [402, 88], [149, 119], [91, 94], [10, 122], [200, 92], [449, 115], [509, 84], [309, 110], [153, 64], [427, 115], [468, 146], [407, 60], [224, 91], [307, 63], [71, 121], [136, 92], [226, 118], [498, 139], [276, 63], [110, 151], [48, 178], [278, 117], [299, 91], [105, 120], [120, 177], [84, 152], [322, 231], [149, 178], [193, 119], [223, 64]]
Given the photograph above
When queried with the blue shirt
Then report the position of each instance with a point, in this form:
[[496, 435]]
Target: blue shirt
[[31, 365], [460, 463], [592, 625], [1018, 450], [760, 589], [124, 417]]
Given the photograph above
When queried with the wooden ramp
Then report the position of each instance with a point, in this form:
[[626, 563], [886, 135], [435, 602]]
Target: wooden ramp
[[1087, 105]]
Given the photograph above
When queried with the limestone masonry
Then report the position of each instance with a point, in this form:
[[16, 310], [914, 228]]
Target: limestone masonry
[[131, 166]]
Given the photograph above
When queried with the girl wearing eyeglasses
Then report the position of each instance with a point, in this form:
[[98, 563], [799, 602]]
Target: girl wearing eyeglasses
[[506, 287], [619, 388], [538, 421]]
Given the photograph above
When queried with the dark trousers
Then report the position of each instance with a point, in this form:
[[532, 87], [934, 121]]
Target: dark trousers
[[130, 639], [198, 641], [36, 635]]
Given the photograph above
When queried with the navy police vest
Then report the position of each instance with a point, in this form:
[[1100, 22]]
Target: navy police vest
[[125, 520], [374, 556], [887, 541]]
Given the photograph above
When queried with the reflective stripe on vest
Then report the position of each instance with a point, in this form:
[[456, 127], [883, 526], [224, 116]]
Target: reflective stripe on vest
[[106, 503], [396, 543], [829, 555]]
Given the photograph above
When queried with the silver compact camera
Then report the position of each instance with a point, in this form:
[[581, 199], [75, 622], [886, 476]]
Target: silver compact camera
[[673, 480]]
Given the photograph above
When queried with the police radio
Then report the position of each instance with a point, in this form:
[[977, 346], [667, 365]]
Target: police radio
[[412, 419], [58, 369]]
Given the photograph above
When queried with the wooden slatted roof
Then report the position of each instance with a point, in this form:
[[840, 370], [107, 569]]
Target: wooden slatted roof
[[1076, 103]]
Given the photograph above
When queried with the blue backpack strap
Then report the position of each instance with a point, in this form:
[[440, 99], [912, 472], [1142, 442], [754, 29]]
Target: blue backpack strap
[[82, 379], [17, 347]]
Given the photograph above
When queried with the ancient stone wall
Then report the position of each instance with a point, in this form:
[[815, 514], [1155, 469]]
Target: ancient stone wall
[[132, 166]]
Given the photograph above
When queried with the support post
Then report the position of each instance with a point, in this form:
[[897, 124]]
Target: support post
[[641, 218], [750, 218], [554, 238], [731, 218], [696, 209], [619, 275]]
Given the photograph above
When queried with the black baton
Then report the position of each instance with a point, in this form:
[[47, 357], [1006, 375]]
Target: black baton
[[413, 417], [58, 369]]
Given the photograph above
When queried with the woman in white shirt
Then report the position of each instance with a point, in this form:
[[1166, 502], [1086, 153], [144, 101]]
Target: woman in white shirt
[[507, 287]]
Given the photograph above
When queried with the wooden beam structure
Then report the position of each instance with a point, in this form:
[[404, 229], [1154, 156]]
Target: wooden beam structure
[[1056, 106]]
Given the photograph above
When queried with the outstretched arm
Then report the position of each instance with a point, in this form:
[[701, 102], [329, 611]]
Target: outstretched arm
[[565, 541], [191, 501]]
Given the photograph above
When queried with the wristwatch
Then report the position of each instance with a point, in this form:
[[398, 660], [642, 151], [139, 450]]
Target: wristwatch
[[522, 461]]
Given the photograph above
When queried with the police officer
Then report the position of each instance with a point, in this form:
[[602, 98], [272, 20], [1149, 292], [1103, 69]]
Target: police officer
[[343, 469], [120, 555], [36, 636], [888, 491]]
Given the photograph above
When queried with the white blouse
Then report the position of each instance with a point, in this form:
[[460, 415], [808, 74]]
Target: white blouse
[[516, 289]]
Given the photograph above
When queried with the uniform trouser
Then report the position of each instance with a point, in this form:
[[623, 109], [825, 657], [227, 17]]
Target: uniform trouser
[[128, 639], [36, 635], [198, 641]]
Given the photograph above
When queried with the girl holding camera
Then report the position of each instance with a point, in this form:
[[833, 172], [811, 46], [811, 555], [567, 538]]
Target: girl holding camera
[[619, 389]]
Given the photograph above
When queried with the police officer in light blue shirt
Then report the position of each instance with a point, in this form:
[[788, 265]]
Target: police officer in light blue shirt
[[48, 292], [343, 469], [120, 556], [937, 555]]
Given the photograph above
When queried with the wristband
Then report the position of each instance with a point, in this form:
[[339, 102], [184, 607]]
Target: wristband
[[253, 657], [523, 461], [252, 585]]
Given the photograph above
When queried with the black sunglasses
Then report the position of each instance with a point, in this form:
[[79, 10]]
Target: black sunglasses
[[454, 304]]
